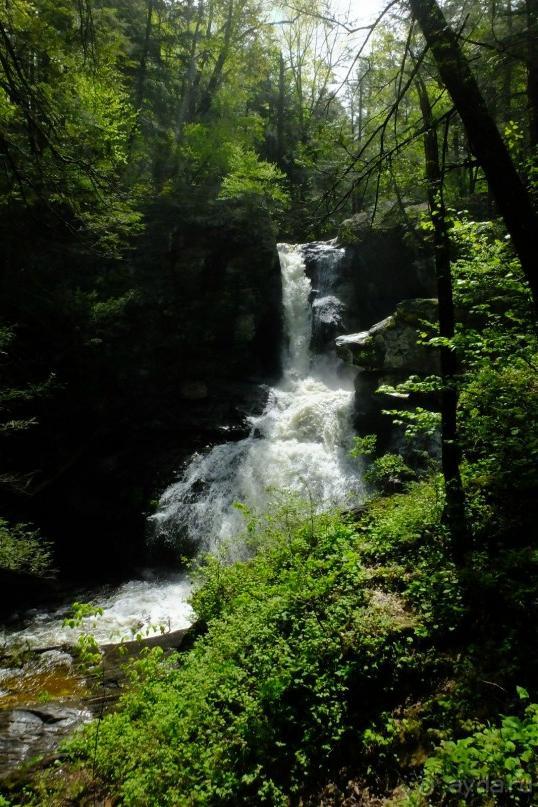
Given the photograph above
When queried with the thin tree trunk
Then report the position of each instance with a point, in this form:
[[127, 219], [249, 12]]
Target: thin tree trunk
[[450, 453], [216, 76], [188, 83], [507, 69], [511, 196], [281, 110], [532, 69], [143, 65]]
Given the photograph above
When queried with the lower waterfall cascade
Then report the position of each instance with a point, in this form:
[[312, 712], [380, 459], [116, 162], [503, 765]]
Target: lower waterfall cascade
[[299, 444]]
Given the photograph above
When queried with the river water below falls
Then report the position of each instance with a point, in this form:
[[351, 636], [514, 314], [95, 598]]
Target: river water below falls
[[299, 444], [143, 607]]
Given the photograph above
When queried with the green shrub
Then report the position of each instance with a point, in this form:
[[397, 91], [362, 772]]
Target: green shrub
[[389, 473], [23, 550], [302, 640], [492, 765], [499, 412], [364, 446]]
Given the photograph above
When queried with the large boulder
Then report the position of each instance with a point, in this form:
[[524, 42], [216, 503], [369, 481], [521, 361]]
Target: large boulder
[[386, 354], [37, 730], [393, 345]]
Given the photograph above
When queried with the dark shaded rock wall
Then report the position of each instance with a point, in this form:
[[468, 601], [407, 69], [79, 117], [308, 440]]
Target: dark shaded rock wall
[[383, 282], [175, 367]]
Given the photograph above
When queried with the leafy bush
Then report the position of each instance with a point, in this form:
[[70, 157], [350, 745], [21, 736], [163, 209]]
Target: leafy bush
[[389, 473], [493, 764], [23, 550], [499, 412], [364, 446]]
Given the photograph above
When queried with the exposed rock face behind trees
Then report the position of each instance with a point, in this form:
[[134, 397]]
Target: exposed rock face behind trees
[[393, 345], [168, 358], [382, 265]]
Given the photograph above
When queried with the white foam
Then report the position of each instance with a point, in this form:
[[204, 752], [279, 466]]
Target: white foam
[[139, 607]]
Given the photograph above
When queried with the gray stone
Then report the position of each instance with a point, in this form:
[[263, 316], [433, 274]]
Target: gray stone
[[52, 658], [393, 345], [328, 309], [31, 732]]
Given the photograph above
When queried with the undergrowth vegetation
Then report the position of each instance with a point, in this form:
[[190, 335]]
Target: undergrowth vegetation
[[301, 645]]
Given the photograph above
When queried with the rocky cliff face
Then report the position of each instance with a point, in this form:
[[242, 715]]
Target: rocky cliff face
[[392, 346], [386, 264], [381, 286], [377, 268], [221, 296], [196, 330]]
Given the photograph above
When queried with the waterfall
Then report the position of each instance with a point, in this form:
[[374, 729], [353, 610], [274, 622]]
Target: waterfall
[[299, 444]]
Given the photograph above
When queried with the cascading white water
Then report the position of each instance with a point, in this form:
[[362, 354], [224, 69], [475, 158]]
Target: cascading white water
[[299, 444], [139, 607]]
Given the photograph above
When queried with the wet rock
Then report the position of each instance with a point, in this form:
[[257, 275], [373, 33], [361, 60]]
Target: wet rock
[[27, 733], [327, 320], [332, 298], [48, 659], [35, 729]]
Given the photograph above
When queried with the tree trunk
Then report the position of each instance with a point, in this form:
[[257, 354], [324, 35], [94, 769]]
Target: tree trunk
[[507, 69], [215, 79], [190, 75], [511, 196], [143, 64], [450, 453]]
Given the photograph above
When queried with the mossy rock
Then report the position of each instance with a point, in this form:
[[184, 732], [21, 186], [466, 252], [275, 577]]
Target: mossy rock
[[351, 231]]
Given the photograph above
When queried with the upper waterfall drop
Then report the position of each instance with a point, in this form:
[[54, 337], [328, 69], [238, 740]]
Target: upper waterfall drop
[[296, 289], [299, 444]]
